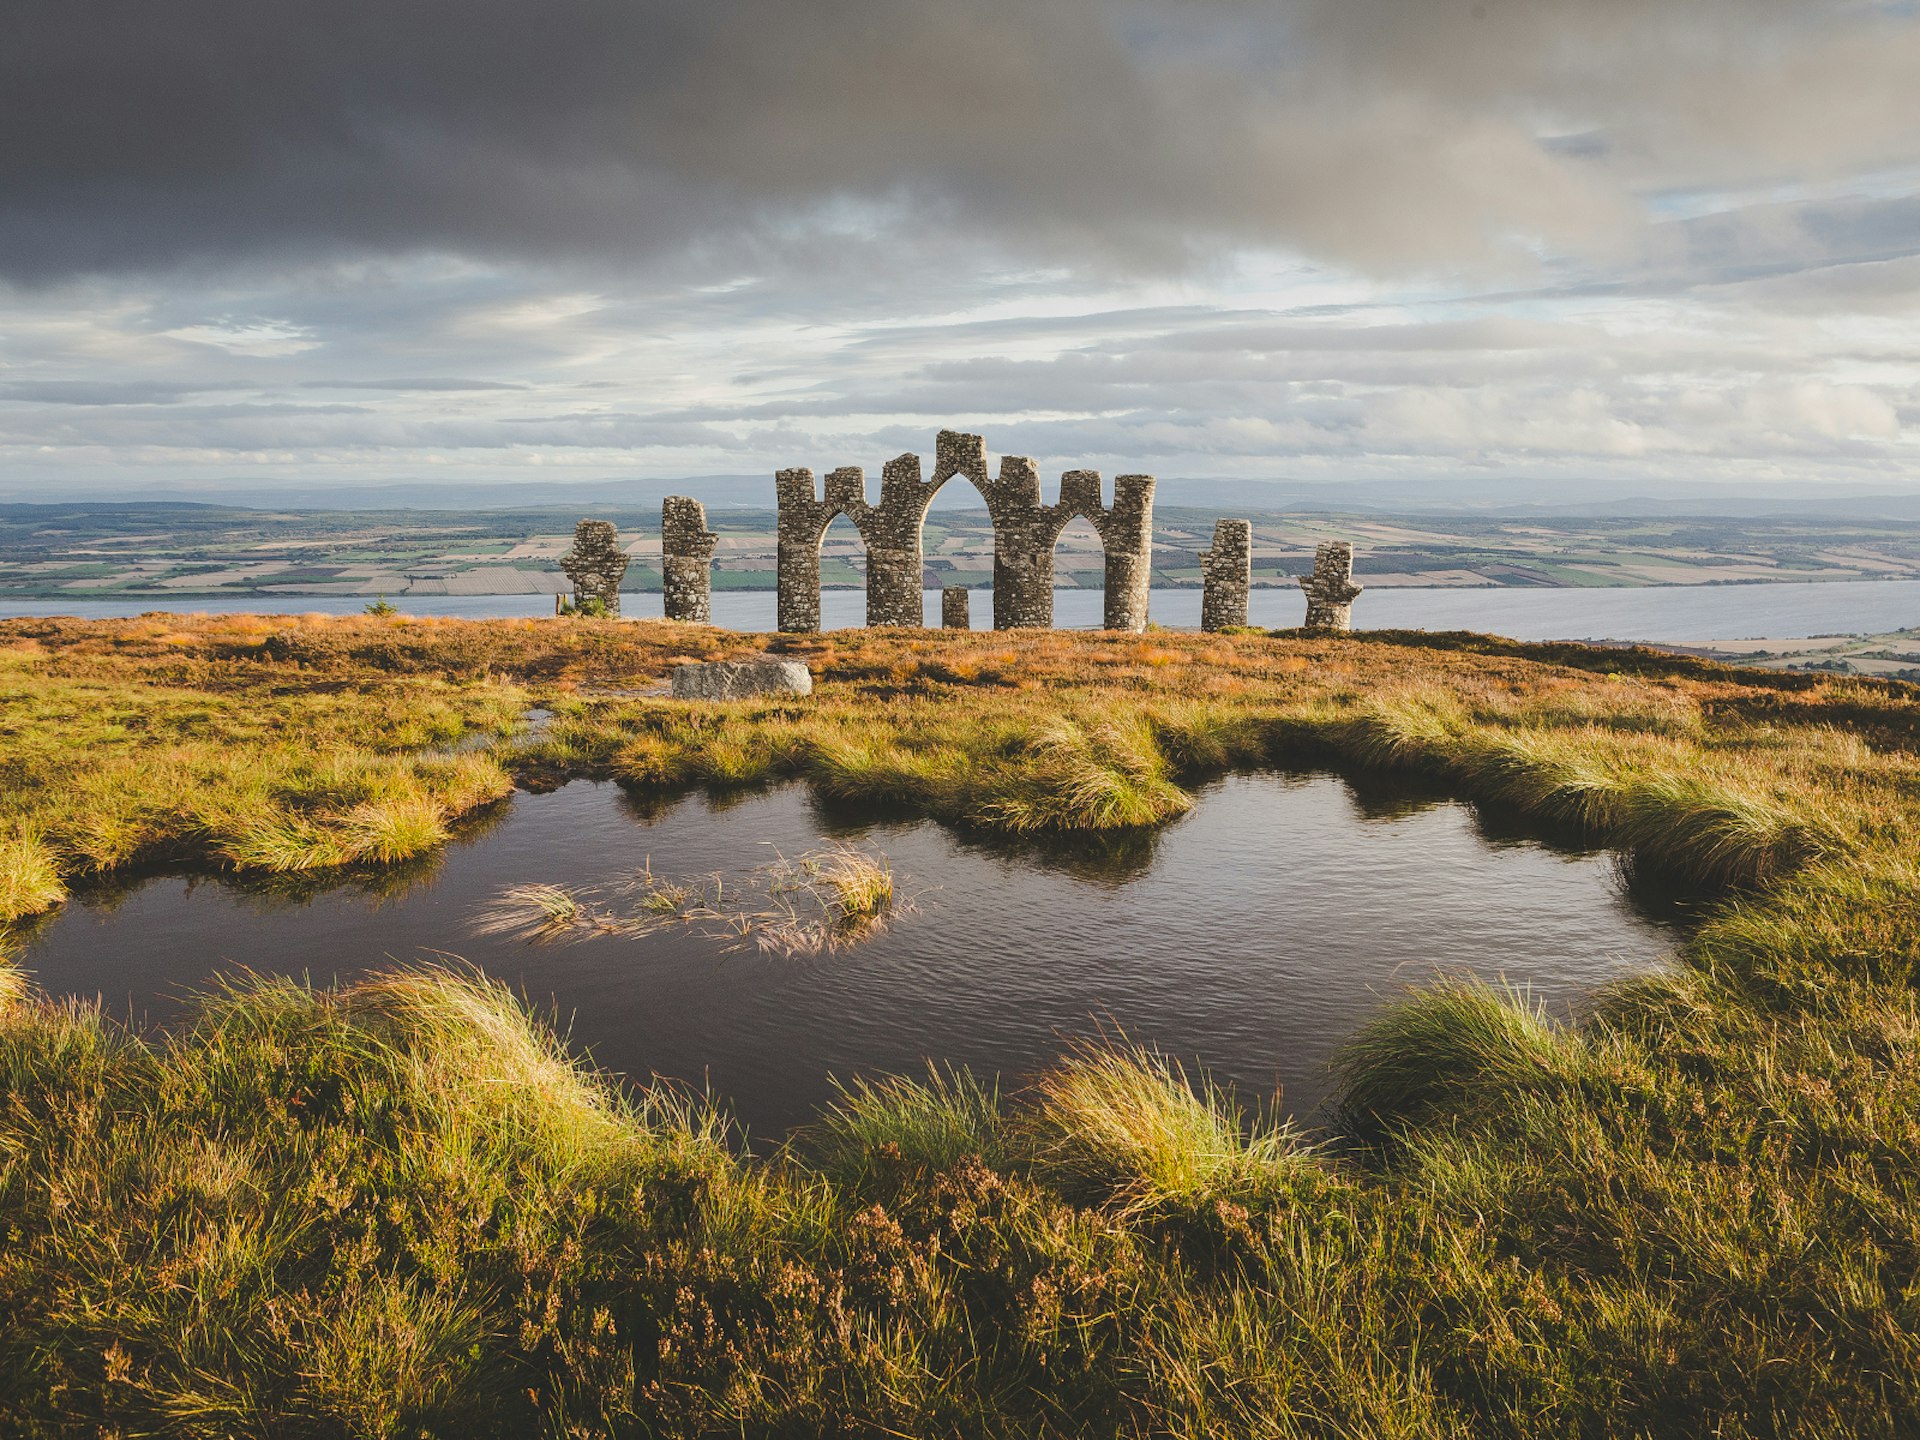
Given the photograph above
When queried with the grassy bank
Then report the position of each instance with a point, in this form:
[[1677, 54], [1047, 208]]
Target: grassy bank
[[402, 1209], [287, 745]]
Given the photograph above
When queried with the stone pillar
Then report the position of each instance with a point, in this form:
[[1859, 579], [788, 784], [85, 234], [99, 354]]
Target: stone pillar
[[596, 564], [686, 560], [1024, 533], [1227, 571], [1330, 588], [803, 520], [1128, 536], [896, 571], [954, 612]]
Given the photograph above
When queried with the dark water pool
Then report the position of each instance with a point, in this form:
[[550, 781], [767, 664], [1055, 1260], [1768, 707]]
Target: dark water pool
[[1252, 936]]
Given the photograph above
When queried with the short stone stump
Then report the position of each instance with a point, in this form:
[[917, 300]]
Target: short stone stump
[[741, 679]]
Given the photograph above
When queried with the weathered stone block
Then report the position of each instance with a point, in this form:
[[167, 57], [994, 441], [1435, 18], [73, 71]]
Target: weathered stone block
[[1126, 530], [955, 613], [741, 679], [804, 518], [1330, 588]]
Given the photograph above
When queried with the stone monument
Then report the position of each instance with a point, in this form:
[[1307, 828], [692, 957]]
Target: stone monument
[[686, 560], [1025, 531], [596, 564], [1227, 572], [1330, 588], [955, 608]]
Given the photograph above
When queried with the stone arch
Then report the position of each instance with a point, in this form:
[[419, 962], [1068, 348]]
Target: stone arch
[[1074, 531], [805, 517], [1125, 528], [1024, 533]]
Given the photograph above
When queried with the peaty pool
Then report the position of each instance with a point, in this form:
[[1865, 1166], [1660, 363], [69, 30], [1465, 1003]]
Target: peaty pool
[[1250, 937]]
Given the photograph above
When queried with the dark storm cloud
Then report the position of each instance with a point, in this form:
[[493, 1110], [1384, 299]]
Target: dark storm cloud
[[1379, 132]]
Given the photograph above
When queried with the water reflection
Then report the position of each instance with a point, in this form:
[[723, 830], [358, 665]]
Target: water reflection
[[1247, 937]]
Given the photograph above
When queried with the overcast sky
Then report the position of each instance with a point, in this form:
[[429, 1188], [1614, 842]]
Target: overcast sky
[[493, 240]]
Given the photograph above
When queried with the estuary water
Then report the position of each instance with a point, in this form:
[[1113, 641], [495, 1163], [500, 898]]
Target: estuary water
[[1664, 614], [1248, 938]]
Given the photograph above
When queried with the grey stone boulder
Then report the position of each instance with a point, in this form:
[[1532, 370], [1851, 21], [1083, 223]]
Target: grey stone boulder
[[741, 679]]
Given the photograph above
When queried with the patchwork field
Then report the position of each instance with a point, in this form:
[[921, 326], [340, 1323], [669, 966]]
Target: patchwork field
[[180, 551]]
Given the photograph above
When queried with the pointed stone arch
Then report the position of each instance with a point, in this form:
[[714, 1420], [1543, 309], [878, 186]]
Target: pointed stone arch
[[1125, 528], [1025, 531]]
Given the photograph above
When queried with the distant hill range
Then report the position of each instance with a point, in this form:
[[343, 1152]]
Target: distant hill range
[[1432, 497]]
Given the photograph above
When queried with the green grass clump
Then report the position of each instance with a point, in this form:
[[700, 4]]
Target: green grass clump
[[908, 1128], [1455, 1040], [29, 875], [860, 885], [1124, 1121]]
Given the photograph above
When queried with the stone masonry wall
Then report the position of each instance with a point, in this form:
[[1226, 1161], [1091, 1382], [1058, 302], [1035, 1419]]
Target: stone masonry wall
[[1024, 534], [1330, 588], [686, 560], [955, 610], [596, 564], [1227, 572], [804, 518], [1126, 529]]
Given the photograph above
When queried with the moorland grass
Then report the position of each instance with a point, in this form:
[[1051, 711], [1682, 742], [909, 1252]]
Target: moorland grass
[[402, 1208]]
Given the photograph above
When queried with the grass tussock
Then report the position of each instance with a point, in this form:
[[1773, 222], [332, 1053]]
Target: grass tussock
[[1124, 1121], [29, 875], [1457, 1040], [900, 1128]]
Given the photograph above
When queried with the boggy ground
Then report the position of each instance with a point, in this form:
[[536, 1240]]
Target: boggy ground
[[401, 1208]]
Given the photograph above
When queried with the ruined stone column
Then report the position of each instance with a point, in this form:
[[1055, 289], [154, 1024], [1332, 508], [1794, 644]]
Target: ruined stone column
[[686, 560], [596, 564], [954, 609], [1127, 533], [896, 571], [1024, 532], [1330, 588], [803, 520], [1227, 572]]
